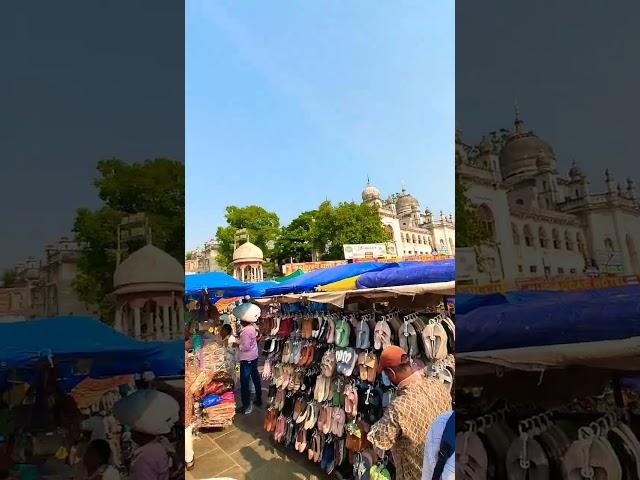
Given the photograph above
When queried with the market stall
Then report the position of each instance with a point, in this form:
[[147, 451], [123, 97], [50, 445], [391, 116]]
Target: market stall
[[547, 374], [321, 353], [59, 390]]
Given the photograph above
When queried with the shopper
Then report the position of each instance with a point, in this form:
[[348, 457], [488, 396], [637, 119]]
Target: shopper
[[96, 460], [404, 425], [151, 415], [248, 315], [439, 449]]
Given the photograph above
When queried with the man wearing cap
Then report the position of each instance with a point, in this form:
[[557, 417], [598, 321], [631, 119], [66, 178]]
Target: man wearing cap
[[248, 315], [404, 425]]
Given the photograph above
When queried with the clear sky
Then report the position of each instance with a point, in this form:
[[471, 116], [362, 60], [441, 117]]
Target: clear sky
[[291, 103], [572, 66], [81, 82]]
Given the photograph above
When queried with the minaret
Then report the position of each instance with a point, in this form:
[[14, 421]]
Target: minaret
[[631, 189], [609, 181]]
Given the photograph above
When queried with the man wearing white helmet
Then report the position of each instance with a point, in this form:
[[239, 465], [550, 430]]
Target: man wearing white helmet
[[248, 315]]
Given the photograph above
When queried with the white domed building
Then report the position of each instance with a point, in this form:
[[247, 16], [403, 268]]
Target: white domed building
[[247, 263], [557, 227], [413, 231], [149, 285]]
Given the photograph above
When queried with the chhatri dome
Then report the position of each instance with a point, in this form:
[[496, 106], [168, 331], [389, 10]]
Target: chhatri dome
[[247, 263], [248, 252], [524, 153], [148, 268], [149, 285]]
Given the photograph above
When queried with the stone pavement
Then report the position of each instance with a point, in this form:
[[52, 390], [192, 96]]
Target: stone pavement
[[245, 451]]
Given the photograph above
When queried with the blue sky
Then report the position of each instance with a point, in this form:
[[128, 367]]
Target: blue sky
[[291, 103]]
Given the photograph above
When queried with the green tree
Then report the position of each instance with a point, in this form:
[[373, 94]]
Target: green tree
[[154, 187], [347, 222], [295, 239], [470, 232], [262, 226], [9, 278], [188, 256]]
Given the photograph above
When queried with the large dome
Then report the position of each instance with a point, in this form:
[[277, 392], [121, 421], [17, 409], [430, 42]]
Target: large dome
[[247, 252], [406, 202], [149, 266], [525, 154]]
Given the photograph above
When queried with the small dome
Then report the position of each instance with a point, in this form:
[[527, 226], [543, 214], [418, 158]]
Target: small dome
[[485, 146], [247, 252], [574, 171], [370, 193], [149, 265], [406, 202]]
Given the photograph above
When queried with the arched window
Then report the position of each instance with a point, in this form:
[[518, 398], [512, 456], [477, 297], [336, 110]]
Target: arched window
[[557, 244], [408, 237], [419, 239], [515, 233], [414, 240], [542, 234], [485, 215], [567, 240], [519, 201], [528, 236]]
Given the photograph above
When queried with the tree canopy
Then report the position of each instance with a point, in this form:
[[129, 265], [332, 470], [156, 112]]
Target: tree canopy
[[154, 187], [347, 222], [263, 227], [470, 232], [295, 240]]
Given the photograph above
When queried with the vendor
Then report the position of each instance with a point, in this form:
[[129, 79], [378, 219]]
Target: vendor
[[404, 425], [151, 416], [53, 409]]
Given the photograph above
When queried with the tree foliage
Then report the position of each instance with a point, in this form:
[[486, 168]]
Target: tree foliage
[[9, 278], [470, 232], [263, 227], [347, 222], [154, 187], [295, 241]]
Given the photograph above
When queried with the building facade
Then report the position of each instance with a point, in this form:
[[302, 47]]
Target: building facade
[[413, 231], [556, 226], [44, 288], [204, 259]]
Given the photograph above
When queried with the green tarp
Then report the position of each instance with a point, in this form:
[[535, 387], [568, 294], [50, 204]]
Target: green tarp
[[295, 274]]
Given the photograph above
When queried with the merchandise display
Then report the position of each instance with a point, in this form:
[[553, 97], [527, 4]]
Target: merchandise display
[[560, 416], [210, 370], [326, 391]]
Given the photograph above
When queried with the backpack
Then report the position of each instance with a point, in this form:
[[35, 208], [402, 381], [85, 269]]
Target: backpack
[[447, 446]]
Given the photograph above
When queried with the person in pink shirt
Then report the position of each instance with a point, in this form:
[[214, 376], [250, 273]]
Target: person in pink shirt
[[248, 315]]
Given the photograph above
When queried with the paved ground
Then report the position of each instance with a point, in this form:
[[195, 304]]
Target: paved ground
[[244, 451]]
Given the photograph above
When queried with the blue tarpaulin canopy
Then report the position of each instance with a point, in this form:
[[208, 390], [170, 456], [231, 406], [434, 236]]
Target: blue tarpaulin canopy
[[215, 282], [523, 319], [68, 339], [311, 280], [410, 273]]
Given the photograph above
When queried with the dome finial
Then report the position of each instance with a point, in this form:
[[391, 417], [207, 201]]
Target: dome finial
[[518, 121], [368, 180]]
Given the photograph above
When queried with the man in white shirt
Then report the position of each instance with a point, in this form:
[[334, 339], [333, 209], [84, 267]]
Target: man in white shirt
[[432, 450]]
